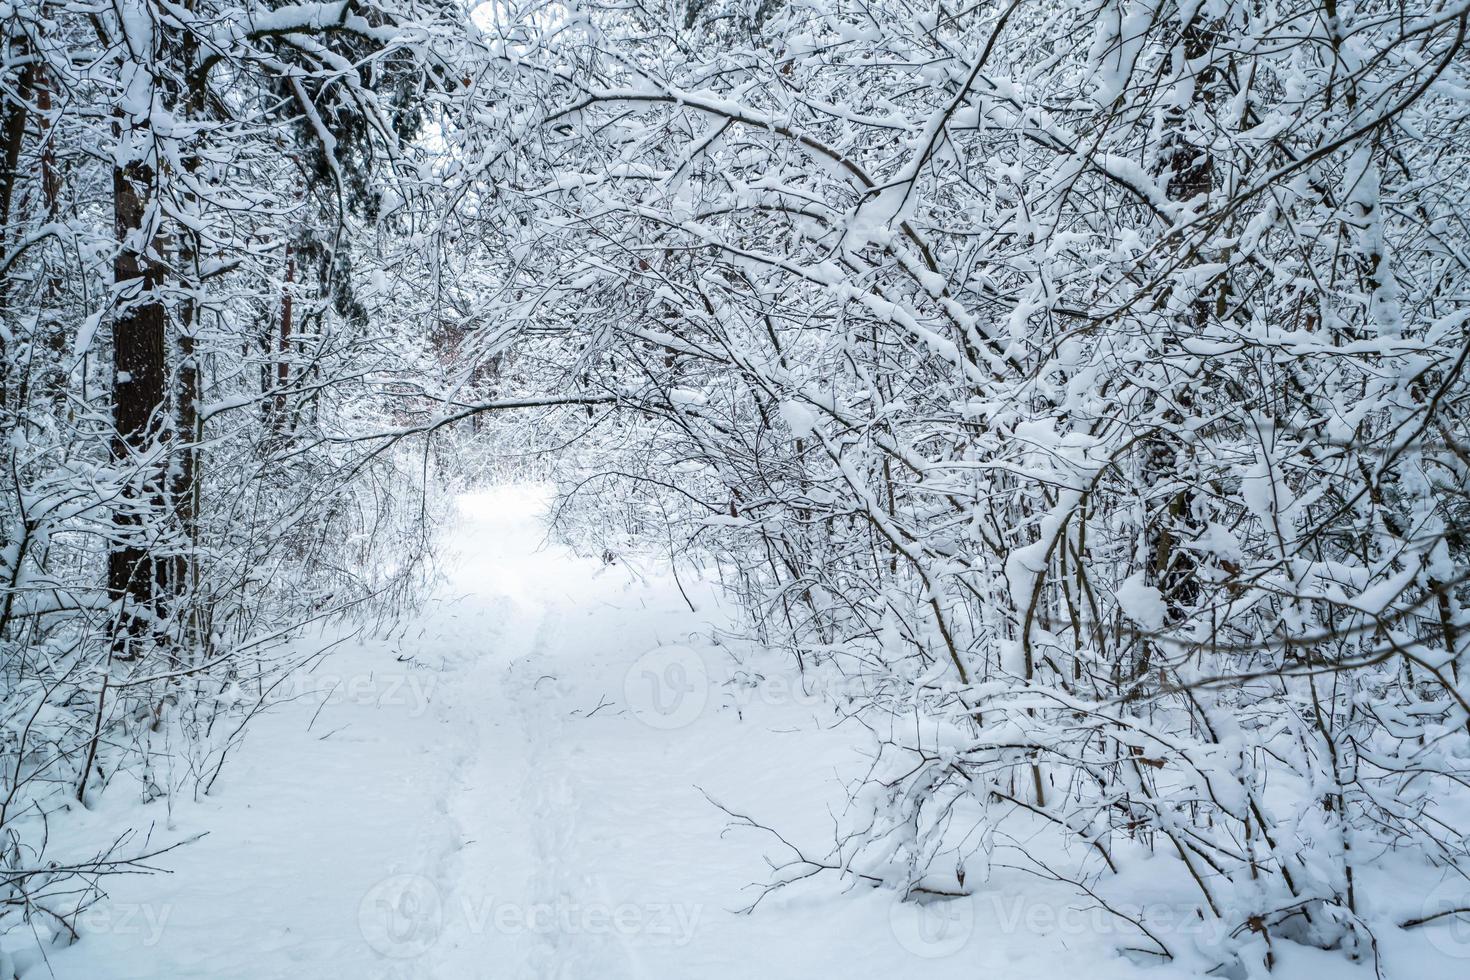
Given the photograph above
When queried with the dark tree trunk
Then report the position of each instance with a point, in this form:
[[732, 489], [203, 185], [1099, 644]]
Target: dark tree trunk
[[17, 110], [283, 343], [134, 577], [13, 133], [184, 493]]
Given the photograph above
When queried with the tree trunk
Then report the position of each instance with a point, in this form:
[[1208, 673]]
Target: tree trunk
[[283, 343], [184, 495], [13, 133], [134, 578]]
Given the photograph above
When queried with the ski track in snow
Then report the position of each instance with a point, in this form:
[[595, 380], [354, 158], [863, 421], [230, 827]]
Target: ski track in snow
[[518, 821]]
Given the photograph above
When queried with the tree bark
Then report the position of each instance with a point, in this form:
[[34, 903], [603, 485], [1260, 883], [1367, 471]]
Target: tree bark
[[134, 578], [184, 492]]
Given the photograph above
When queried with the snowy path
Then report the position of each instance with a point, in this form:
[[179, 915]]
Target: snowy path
[[520, 796]]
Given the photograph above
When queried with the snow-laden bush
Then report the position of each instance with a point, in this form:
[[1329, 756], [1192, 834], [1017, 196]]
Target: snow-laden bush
[[1088, 374]]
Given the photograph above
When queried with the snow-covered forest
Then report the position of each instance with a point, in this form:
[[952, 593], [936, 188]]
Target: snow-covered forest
[[726, 488]]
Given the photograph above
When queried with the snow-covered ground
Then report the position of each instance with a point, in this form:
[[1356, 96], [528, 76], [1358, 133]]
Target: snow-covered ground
[[518, 784]]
